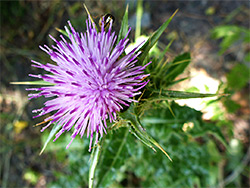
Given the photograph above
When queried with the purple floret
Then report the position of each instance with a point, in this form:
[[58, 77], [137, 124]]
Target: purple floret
[[91, 81]]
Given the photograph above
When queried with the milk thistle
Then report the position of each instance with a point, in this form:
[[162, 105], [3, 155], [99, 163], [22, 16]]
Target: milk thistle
[[92, 79]]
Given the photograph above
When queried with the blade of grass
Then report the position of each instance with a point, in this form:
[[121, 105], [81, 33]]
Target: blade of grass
[[139, 12]]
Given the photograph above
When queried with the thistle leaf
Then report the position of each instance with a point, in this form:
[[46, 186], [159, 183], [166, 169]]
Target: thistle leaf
[[112, 157], [62, 31], [139, 131], [124, 26], [177, 81], [177, 66], [40, 82], [162, 54], [54, 130], [153, 39], [172, 95], [89, 15]]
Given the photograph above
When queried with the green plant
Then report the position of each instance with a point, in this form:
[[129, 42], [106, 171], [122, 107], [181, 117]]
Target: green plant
[[157, 122]]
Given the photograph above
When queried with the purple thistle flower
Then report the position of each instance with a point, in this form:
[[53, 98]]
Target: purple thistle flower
[[91, 81]]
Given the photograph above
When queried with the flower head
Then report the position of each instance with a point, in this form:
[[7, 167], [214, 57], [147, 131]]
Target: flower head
[[91, 81]]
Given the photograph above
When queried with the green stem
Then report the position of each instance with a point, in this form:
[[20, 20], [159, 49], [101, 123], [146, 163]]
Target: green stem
[[95, 157]]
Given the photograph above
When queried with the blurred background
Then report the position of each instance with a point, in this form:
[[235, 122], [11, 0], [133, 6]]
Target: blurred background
[[216, 33]]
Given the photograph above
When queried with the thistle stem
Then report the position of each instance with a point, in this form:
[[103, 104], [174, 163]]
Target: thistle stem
[[95, 157]]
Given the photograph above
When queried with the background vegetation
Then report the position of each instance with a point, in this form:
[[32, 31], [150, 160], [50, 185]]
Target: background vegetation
[[208, 142]]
